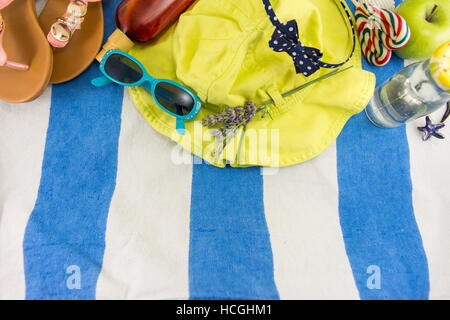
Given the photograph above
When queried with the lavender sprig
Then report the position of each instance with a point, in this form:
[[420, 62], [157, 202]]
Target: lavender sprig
[[231, 119]]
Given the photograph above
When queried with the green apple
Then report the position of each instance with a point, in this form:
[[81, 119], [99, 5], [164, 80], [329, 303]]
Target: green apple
[[429, 21]]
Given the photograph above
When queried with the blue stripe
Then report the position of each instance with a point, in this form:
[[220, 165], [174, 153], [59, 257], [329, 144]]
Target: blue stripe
[[67, 225], [230, 254], [375, 205]]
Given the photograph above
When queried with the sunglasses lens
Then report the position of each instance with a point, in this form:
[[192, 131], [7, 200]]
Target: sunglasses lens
[[174, 99], [123, 69]]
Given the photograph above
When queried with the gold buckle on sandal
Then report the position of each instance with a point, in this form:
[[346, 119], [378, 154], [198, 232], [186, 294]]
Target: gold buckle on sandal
[[2, 23], [64, 27]]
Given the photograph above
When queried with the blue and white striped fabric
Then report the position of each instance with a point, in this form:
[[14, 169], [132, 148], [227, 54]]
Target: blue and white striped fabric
[[89, 189]]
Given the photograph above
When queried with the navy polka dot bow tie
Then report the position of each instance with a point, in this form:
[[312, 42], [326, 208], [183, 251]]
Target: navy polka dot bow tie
[[307, 60]]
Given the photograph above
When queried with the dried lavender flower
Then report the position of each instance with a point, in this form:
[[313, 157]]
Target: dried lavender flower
[[231, 119]]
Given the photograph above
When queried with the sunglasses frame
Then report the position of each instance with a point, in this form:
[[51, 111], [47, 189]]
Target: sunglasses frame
[[149, 83]]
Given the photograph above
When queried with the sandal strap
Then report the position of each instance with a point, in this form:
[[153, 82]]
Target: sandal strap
[[65, 26], [4, 3], [3, 56]]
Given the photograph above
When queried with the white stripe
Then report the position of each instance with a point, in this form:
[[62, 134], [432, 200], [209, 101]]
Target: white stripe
[[301, 204], [40, 6], [147, 237], [23, 130], [430, 176]]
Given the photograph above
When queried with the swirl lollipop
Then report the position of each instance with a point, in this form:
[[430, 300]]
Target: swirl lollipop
[[380, 31]]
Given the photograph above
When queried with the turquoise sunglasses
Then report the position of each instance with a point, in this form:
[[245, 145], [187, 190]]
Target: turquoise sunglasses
[[119, 67]]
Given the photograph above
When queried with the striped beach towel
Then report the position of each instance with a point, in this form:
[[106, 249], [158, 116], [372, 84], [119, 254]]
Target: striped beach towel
[[94, 204]]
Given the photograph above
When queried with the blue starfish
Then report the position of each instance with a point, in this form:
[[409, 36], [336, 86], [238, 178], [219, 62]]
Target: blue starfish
[[431, 130]]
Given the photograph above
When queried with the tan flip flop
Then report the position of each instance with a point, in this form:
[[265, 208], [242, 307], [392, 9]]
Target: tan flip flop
[[22, 40], [75, 31]]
